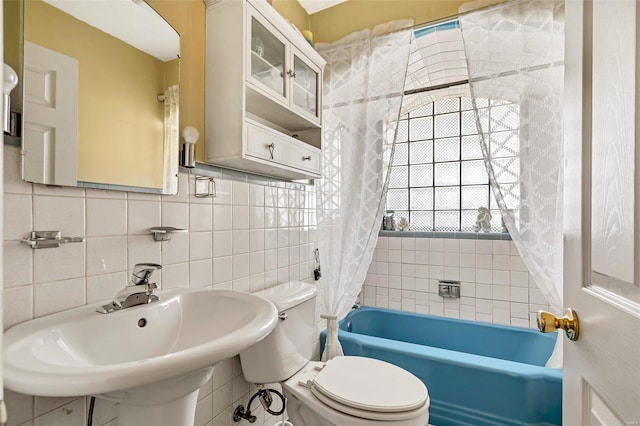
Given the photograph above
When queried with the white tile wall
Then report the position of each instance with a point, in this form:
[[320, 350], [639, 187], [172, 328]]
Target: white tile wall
[[249, 238], [495, 283]]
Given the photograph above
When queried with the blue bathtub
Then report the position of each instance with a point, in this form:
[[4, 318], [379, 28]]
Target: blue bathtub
[[478, 374]]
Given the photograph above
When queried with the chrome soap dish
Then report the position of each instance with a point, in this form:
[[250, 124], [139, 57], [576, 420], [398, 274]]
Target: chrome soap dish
[[163, 233], [49, 239]]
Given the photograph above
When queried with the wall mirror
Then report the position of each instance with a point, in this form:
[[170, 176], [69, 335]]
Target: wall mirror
[[100, 95]]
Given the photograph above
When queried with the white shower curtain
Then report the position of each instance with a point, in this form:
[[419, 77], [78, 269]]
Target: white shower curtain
[[515, 53], [363, 86], [171, 139]]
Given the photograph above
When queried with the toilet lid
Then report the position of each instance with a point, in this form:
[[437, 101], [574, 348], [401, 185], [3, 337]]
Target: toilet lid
[[370, 385]]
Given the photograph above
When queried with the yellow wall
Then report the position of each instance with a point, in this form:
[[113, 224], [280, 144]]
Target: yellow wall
[[107, 89], [354, 15], [172, 72], [188, 19], [292, 11]]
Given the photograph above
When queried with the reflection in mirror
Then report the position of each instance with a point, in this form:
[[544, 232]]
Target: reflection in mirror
[[100, 95]]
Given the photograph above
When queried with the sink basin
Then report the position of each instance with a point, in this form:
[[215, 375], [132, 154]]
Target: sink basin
[[82, 352]]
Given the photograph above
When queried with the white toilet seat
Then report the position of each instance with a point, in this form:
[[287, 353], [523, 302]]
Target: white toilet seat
[[366, 388], [365, 414]]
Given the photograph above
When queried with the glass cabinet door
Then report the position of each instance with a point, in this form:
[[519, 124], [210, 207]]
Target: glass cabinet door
[[305, 86], [267, 57]]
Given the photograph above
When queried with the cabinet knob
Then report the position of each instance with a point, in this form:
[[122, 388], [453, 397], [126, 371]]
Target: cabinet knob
[[291, 73], [307, 158], [272, 148]]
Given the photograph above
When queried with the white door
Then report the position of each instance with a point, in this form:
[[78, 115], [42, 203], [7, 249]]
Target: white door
[[3, 408], [602, 212], [50, 122]]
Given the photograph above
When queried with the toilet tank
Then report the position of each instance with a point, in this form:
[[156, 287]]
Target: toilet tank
[[289, 346]]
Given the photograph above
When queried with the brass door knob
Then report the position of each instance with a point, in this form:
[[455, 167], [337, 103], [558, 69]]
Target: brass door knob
[[569, 323]]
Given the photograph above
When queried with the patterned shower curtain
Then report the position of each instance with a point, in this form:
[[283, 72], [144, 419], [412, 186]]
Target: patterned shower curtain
[[363, 87], [515, 53]]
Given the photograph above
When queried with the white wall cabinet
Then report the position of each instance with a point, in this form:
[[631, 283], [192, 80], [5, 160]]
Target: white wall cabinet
[[263, 92]]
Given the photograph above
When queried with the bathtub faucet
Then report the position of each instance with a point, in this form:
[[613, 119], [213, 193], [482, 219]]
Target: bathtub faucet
[[356, 305]]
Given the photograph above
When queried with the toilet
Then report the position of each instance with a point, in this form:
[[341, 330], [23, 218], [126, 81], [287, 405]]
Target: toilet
[[345, 391]]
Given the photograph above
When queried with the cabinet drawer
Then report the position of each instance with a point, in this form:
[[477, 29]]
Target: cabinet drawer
[[273, 146]]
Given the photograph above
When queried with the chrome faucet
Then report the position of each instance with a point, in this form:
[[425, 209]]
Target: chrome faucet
[[138, 292]]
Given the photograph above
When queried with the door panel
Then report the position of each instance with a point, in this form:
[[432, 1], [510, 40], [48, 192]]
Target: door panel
[[612, 222], [50, 116], [599, 412], [39, 142], [601, 379]]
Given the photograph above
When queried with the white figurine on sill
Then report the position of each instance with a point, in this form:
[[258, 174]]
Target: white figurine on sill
[[483, 220], [403, 224]]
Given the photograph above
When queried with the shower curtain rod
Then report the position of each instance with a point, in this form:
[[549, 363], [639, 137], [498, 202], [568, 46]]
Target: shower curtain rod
[[477, 79], [452, 84], [436, 87]]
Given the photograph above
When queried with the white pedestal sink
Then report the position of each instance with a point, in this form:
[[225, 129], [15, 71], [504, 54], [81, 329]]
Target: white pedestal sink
[[168, 402], [151, 359]]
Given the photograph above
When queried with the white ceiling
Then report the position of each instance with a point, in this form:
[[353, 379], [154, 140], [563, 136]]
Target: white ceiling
[[313, 6], [133, 22]]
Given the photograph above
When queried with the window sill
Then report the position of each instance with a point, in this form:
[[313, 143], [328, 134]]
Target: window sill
[[451, 235]]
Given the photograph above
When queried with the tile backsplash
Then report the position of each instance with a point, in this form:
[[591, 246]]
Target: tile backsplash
[[495, 283], [250, 237]]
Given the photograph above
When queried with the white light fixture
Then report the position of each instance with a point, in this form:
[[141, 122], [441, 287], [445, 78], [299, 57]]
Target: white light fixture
[[10, 81], [190, 136]]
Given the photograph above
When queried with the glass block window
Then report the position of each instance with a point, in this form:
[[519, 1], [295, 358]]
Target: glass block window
[[438, 177]]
